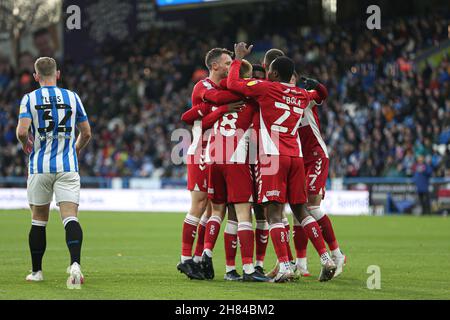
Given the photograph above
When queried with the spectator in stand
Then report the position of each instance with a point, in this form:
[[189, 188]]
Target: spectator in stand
[[422, 173]]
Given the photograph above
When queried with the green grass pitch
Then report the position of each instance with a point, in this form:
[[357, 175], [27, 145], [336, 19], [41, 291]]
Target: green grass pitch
[[133, 256]]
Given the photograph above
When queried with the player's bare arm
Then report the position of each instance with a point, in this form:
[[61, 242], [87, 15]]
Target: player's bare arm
[[84, 137], [197, 112], [22, 133]]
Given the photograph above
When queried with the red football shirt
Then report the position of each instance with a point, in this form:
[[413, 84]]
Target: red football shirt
[[205, 91], [281, 109], [312, 142], [230, 136]]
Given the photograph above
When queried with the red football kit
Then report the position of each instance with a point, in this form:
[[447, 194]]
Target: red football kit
[[280, 171], [314, 149], [204, 91], [227, 152]]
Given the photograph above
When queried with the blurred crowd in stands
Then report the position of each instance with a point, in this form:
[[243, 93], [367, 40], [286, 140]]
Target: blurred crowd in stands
[[383, 111]]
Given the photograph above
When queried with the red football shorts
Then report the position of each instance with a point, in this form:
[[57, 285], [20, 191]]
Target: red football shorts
[[230, 183], [285, 184], [197, 177], [316, 170]]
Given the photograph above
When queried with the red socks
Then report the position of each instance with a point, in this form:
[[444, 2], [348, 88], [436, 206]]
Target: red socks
[[188, 235], [230, 237], [261, 240], [279, 240], [212, 232], [300, 241], [247, 241], [312, 229], [201, 236], [325, 224], [288, 232]]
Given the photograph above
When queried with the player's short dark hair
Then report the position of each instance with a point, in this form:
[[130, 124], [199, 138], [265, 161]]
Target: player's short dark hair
[[258, 67], [285, 68], [271, 55], [215, 54]]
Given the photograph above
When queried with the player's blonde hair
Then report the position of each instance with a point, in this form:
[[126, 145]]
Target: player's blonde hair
[[246, 69], [45, 66]]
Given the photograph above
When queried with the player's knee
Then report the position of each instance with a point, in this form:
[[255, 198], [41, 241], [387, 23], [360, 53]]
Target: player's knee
[[316, 212], [199, 206], [40, 212], [314, 200]]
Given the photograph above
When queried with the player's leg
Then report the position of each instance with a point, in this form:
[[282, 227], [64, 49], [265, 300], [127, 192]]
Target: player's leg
[[230, 240], [201, 233], [300, 242], [198, 186], [275, 269], [279, 237], [261, 236], [217, 194], [37, 240], [247, 243], [287, 226], [262, 227], [297, 199], [317, 173], [67, 196], [327, 230], [273, 193], [211, 234], [240, 192], [199, 201], [40, 194]]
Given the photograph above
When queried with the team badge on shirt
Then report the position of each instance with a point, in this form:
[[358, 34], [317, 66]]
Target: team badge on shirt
[[252, 83]]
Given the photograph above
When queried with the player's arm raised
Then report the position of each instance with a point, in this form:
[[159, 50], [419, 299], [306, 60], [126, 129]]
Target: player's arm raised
[[247, 88]]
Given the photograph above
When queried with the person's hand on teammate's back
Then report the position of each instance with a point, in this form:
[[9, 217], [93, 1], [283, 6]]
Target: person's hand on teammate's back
[[235, 106], [241, 50]]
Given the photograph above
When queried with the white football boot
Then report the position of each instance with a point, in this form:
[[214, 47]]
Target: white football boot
[[285, 273], [76, 278], [302, 271], [328, 268], [340, 262], [35, 276]]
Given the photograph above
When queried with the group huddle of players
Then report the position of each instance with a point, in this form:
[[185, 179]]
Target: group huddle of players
[[256, 145]]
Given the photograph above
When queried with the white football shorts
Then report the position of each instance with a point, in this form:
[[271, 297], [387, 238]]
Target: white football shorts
[[65, 185]]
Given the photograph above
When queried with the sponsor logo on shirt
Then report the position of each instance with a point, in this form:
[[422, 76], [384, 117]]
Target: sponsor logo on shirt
[[273, 193]]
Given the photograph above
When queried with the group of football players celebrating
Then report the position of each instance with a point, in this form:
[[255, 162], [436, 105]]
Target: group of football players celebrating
[[256, 146]]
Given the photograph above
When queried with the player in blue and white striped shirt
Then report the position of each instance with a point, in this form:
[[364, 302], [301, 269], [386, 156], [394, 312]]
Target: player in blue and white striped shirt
[[53, 114]]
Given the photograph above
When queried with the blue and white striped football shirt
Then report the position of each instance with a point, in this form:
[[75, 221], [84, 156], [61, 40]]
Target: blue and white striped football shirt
[[54, 113]]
